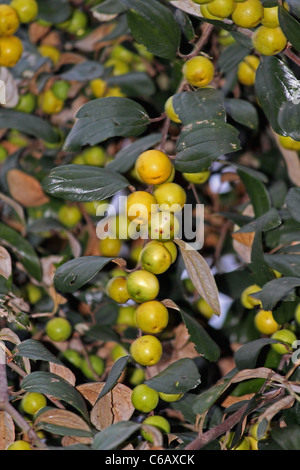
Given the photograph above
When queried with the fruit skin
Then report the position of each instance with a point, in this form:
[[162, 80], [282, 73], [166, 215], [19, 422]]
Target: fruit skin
[[60, 89], [69, 215], [117, 352], [116, 289], [98, 87], [153, 166], [155, 258], [163, 226], [170, 197], [286, 336], [144, 398], [248, 14], [32, 402], [34, 293], [136, 375], [73, 357], [142, 286], [204, 308], [197, 178], [77, 23], [126, 316], [152, 317], [265, 322], [49, 103], [243, 444], [222, 8], [110, 247], [11, 49], [170, 397], [50, 52], [3, 153], [58, 329], [246, 300], [19, 445], [198, 71], [247, 70], [288, 143], [140, 204], [172, 249], [158, 422], [94, 156], [146, 350], [169, 110], [269, 41], [270, 17], [9, 20], [205, 13], [27, 103], [27, 9], [97, 365]]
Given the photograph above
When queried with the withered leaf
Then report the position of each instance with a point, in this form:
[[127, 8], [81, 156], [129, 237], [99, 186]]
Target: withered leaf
[[25, 189]]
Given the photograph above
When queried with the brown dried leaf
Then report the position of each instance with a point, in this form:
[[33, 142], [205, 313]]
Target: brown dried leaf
[[25, 189], [62, 418], [93, 40], [244, 238], [72, 440], [63, 372], [5, 263], [37, 32], [7, 430]]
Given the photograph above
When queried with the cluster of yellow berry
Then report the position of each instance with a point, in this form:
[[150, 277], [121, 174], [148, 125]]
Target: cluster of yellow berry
[[268, 39], [11, 16]]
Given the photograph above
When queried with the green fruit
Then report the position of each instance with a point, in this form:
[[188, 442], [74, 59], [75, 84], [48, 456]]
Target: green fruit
[[126, 316], [61, 89], [117, 352], [96, 364], [34, 293], [116, 289], [152, 317], [69, 215], [77, 23], [146, 350], [3, 153], [27, 103], [32, 402], [136, 376], [73, 357], [94, 156], [158, 422], [27, 9], [170, 397], [144, 398], [142, 286], [287, 337], [155, 258], [58, 329]]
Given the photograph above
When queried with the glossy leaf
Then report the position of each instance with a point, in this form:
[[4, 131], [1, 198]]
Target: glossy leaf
[[243, 112], [290, 27], [180, 377], [114, 375], [199, 105], [35, 350], [54, 11], [111, 437], [133, 84]]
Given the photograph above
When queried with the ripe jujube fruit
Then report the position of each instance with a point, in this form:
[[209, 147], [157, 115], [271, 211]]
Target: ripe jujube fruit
[[116, 289], [153, 166], [265, 322], [140, 205], [142, 286], [170, 197], [269, 41], [152, 317], [146, 350], [155, 258], [198, 71], [247, 70], [9, 20], [248, 14], [11, 49]]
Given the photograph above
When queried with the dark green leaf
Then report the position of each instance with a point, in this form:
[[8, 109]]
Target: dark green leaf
[[246, 356], [109, 7], [133, 84], [243, 112], [102, 333], [22, 250], [33, 349], [257, 192], [111, 437], [288, 265], [72, 275], [83, 183], [207, 398], [287, 438], [179, 377], [276, 290], [31, 125], [199, 144], [54, 11], [153, 25], [87, 70], [114, 375], [199, 105], [231, 57], [290, 27], [293, 203], [51, 384], [103, 118], [185, 24]]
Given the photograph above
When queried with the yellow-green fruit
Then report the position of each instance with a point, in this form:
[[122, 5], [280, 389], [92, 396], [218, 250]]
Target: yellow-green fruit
[[246, 299], [155, 258], [110, 247], [172, 249], [205, 13], [144, 398], [142, 286], [170, 397], [270, 17], [91, 366], [197, 178], [51, 52], [222, 8], [153, 166], [265, 322], [169, 110], [19, 445], [69, 215], [136, 375], [126, 316], [9, 20], [198, 71], [204, 308], [117, 352], [225, 38], [34, 293], [27, 9], [248, 14], [247, 70], [243, 444], [146, 350], [297, 314], [11, 49], [99, 87], [140, 205], [163, 226], [152, 317], [202, 2], [170, 197], [116, 289], [59, 329], [288, 143], [269, 41], [49, 103], [158, 422], [32, 402], [287, 337]]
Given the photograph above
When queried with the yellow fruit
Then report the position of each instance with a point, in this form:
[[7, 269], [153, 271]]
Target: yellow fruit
[[265, 322], [140, 204], [142, 286], [270, 17], [170, 197], [155, 258], [197, 178], [248, 301], [222, 8], [114, 91], [204, 308], [288, 143], [27, 9], [146, 350], [198, 71], [116, 289], [11, 49], [110, 247], [247, 70], [248, 14], [19, 445], [269, 41], [202, 2], [169, 110], [164, 226], [50, 52], [205, 13], [152, 317], [49, 104], [99, 87], [9, 20], [153, 166]]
